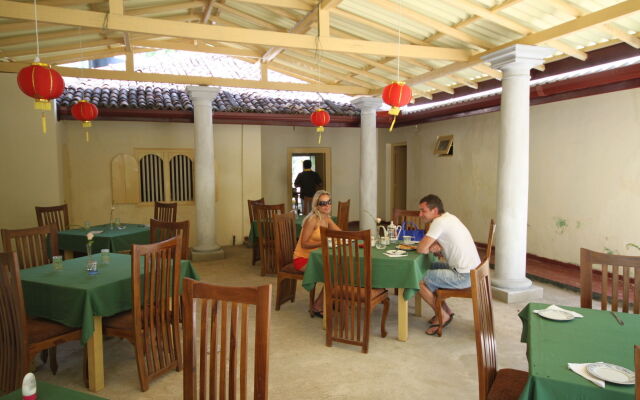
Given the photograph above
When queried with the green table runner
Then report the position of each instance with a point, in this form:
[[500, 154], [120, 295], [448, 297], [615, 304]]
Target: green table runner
[[72, 297], [47, 391], [253, 233], [113, 239], [596, 337], [386, 272]]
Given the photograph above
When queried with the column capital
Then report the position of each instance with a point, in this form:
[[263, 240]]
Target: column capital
[[518, 56], [367, 103], [202, 93]]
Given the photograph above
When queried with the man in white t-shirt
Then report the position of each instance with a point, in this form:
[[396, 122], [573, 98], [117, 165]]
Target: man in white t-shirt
[[449, 236]]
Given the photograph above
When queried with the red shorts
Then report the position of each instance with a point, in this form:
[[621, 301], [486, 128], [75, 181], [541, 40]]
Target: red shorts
[[300, 262]]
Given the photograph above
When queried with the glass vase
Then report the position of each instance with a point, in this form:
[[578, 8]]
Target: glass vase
[[92, 264]]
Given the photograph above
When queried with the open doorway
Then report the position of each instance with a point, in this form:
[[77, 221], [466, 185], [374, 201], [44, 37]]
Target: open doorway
[[398, 176], [320, 158]]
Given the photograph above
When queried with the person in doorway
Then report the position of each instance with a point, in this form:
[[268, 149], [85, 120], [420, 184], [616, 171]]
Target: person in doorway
[[449, 236], [309, 181], [320, 216]]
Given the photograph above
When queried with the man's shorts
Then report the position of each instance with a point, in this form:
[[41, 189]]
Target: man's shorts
[[440, 276]]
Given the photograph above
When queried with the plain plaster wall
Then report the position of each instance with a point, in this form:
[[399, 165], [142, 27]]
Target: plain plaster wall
[[584, 173], [31, 171], [344, 144]]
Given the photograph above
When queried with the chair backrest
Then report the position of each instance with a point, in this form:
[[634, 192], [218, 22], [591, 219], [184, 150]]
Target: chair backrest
[[483, 324], [251, 204], [35, 246], [492, 231], [345, 273], [161, 231], [155, 314], [13, 337], [616, 271], [266, 236], [410, 216], [216, 345], [285, 238], [58, 215], [636, 358], [166, 212], [343, 214]]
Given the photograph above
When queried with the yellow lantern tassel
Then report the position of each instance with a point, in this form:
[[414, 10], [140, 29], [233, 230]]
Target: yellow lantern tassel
[[42, 104], [86, 124], [395, 111], [86, 135], [319, 137], [43, 118], [392, 124]]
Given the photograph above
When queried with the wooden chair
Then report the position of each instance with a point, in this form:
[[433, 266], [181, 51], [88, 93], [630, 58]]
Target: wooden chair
[[285, 244], [615, 277], [256, 246], [152, 325], [161, 231], [410, 216], [493, 384], [350, 298], [343, 214], [166, 212], [35, 246], [57, 215], [442, 294], [22, 338], [636, 358], [215, 308], [264, 219]]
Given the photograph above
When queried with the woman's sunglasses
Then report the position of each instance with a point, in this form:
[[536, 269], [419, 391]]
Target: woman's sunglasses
[[324, 203]]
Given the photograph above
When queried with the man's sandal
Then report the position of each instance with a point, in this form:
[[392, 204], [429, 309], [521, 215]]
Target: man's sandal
[[434, 319], [435, 332]]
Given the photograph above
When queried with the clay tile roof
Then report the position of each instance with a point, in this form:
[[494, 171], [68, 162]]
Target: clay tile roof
[[140, 95]]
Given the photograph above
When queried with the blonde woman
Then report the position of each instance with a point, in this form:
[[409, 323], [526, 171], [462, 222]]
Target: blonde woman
[[320, 216]]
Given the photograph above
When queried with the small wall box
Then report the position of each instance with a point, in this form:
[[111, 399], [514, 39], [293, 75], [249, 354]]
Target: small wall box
[[444, 145]]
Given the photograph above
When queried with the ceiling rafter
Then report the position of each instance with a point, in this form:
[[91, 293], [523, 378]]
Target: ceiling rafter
[[577, 24], [126, 23]]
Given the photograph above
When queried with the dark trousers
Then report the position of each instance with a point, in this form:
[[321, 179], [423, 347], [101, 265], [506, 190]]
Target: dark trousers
[[306, 205]]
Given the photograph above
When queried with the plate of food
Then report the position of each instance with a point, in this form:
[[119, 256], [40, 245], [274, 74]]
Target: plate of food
[[407, 247], [395, 252]]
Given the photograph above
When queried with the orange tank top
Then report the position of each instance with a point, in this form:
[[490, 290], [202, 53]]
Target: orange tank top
[[304, 253]]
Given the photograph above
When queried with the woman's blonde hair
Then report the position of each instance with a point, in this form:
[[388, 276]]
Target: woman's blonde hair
[[314, 205]]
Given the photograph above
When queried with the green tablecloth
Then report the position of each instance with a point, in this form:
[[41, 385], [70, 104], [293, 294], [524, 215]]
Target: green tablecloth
[[253, 233], [113, 239], [47, 391], [596, 337], [72, 297], [387, 272]]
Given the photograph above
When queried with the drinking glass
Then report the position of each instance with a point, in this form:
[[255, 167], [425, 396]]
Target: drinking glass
[[87, 225], [380, 243], [92, 267], [57, 263], [104, 256], [117, 221]]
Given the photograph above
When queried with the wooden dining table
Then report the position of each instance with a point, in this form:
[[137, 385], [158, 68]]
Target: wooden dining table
[[105, 237], [403, 273], [551, 345], [76, 299]]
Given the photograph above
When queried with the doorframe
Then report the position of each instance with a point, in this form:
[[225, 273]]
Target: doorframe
[[306, 150]]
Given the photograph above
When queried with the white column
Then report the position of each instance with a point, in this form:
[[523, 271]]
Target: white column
[[509, 279], [368, 161], [206, 247]]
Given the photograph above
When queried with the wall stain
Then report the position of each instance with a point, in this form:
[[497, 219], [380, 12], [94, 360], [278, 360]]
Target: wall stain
[[561, 225]]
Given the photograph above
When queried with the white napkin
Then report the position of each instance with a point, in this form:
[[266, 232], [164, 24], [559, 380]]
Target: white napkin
[[581, 369], [556, 308], [395, 255], [96, 232]]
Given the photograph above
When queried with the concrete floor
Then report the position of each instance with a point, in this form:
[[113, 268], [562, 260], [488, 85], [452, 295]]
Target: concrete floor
[[302, 367]]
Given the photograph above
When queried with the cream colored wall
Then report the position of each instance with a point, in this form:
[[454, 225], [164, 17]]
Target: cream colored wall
[[31, 173], [584, 171], [345, 162], [88, 170]]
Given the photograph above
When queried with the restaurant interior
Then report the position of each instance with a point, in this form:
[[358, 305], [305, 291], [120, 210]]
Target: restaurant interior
[[171, 148]]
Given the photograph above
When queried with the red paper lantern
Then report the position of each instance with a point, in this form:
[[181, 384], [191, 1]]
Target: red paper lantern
[[396, 94], [85, 112], [320, 118], [43, 83]]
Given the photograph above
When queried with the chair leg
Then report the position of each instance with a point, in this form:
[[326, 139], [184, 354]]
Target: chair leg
[[385, 312], [293, 286], [53, 360], [439, 301], [278, 293], [44, 356], [312, 298]]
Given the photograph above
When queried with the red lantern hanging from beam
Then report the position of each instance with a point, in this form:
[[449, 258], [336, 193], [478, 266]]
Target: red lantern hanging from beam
[[85, 112], [396, 94], [43, 83], [320, 118]]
